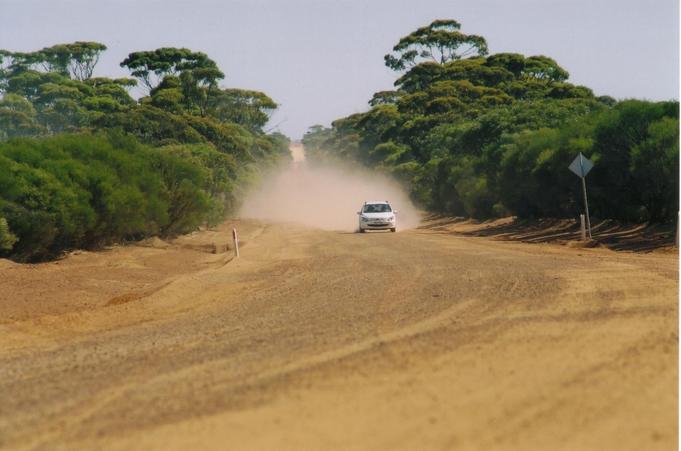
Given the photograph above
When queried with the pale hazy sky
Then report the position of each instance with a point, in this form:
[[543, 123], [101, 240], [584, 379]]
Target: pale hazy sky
[[322, 59]]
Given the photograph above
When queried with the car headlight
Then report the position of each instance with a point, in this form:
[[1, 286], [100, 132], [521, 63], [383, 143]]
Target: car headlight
[[391, 218], [363, 219]]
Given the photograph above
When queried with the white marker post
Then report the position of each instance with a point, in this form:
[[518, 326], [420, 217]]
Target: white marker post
[[586, 205], [581, 227], [581, 166], [235, 238]]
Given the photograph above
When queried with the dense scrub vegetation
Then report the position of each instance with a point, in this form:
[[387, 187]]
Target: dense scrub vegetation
[[481, 135], [83, 164]]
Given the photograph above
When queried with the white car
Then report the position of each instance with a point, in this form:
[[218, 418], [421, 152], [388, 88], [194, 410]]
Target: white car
[[377, 215]]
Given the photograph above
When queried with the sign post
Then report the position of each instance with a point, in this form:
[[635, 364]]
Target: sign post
[[235, 238], [581, 166]]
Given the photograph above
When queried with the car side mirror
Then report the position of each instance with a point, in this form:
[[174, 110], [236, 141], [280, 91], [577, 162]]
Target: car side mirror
[[359, 212]]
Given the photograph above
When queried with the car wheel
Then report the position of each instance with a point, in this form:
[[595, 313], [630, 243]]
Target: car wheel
[[361, 230], [393, 229]]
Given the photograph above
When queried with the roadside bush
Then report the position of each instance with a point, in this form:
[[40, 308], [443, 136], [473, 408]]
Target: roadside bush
[[217, 180], [7, 238], [655, 169], [85, 190]]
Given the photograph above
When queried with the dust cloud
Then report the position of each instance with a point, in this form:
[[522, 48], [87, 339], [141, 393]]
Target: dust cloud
[[325, 197]]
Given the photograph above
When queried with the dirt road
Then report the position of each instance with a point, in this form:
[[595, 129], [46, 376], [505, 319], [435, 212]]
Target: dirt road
[[326, 340]]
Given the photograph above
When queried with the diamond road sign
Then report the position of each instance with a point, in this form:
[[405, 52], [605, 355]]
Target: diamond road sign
[[581, 165]]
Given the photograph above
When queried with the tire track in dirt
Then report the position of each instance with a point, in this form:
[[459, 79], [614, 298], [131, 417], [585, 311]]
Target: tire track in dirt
[[442, 338]]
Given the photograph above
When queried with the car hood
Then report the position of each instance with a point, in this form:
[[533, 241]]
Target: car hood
[[378, 215]]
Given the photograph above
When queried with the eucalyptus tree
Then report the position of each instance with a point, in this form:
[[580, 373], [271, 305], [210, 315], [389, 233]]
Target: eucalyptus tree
[[152, 66], [17, 117], [439, 42], [76, 60], [251, 109]]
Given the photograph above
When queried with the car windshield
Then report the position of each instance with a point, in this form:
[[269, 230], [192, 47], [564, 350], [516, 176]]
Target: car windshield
[[376, 208]]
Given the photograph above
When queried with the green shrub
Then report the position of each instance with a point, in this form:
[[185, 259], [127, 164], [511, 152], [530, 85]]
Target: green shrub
[[85, 190], [7, 238]]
